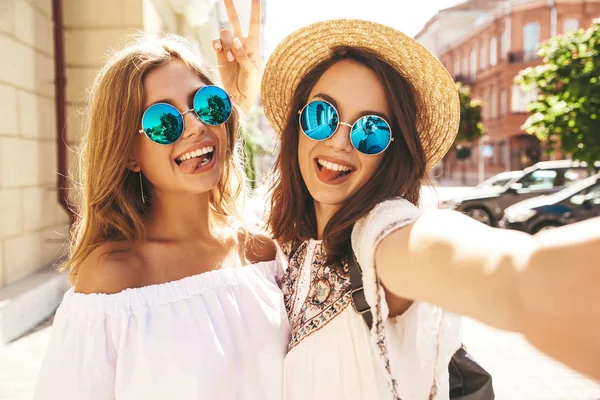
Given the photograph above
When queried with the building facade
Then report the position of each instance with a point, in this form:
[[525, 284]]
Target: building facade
[[489, 57], [452, 24]]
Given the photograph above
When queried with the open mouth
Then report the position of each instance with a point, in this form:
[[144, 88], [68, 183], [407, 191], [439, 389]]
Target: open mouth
[[330, 172], [193, 160]]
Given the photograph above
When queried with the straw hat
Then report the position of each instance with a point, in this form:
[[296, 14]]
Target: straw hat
[[438, 106]]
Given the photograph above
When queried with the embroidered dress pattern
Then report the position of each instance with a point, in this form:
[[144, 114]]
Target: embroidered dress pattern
[[328, 291]]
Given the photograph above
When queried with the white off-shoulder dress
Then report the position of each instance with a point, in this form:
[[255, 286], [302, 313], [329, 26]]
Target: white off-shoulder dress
[[332, 354], [218, 335]]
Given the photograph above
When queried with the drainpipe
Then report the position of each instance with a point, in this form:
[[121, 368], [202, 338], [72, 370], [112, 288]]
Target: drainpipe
[[60, 81]]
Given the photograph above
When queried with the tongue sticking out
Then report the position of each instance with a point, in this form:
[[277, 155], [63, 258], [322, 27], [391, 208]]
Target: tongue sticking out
[[189, 166], [328, 175]]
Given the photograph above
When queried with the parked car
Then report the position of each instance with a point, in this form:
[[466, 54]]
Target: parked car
[[497, 182], [577, 202], [547, 177]]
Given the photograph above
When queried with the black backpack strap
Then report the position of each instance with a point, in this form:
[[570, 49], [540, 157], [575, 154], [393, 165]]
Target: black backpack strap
[[357, 293], [468, 380], [293, 247]]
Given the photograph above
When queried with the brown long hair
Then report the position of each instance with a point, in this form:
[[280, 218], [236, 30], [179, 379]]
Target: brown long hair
[[108, 196], [400, 173]]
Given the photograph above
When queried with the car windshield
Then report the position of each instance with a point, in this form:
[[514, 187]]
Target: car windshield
[[546, 179], [540, 179], [500, 180]]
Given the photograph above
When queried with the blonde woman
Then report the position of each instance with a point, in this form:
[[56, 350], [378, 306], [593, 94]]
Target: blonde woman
[[161, 305]]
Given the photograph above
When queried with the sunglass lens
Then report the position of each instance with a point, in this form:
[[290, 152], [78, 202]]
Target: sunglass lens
[[319, 120], [162, 123], [371, 135], [212, 104]]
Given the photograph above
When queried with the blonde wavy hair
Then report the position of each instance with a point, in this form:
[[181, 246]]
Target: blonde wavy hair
[[108, 198]]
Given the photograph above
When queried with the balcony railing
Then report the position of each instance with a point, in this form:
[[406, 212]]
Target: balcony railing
[[522, 57], [464, 79]]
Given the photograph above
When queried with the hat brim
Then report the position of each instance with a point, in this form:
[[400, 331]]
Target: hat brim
[[438, 107]]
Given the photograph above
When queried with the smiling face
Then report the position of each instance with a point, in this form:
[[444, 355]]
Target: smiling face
[[332, 169], [194, 163]]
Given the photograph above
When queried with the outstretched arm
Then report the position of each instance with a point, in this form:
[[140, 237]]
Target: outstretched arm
[[545, 286]]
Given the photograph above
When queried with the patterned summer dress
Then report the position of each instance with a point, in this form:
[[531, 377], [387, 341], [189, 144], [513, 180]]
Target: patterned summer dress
[[333, 355]]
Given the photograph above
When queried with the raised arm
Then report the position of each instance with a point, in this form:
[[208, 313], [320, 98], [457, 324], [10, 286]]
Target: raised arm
[[238, 55]]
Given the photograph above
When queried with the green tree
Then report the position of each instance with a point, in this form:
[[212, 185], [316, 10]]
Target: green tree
[[470, 127], [255, 143], [169, 131], [217, 109], [250, 160], [567, 108]]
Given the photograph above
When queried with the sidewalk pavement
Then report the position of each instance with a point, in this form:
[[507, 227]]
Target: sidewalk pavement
[[20, 362], [519, 371]]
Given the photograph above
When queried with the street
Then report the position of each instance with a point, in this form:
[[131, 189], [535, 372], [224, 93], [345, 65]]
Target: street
[[518, 370]]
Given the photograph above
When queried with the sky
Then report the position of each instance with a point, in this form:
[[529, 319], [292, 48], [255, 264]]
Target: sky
[[408, 16]]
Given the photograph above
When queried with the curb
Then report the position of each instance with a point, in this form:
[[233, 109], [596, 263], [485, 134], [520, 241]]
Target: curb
[[26, 303]]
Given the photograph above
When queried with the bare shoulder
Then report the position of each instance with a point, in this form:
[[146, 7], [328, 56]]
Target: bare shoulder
[[260, 247], [109, 269]]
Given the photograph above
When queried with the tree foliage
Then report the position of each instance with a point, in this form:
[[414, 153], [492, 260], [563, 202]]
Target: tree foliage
[[567, 108], [470, 127], [254, 144]]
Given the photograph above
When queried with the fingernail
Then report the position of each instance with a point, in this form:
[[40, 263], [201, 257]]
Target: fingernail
[[218, 45], [230, 56], [237, 44]]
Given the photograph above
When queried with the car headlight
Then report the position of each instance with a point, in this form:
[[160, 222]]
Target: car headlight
[[519, 214]]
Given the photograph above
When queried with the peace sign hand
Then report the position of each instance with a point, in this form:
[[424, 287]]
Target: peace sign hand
[[238, 56]]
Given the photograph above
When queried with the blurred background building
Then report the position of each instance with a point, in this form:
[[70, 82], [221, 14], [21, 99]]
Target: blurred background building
[[484, 44]]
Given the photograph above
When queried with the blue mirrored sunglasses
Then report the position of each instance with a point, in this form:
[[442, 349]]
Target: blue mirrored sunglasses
[[163, 123], [370, 134]]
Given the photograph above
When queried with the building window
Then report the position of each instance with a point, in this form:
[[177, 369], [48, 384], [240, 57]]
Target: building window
[[486, 105], [482, 57], [502, 102], [504, 45], [493, 52], [473, 65], [521, 99], [531, 39], [456, 67], [570, 24], [493, 105], [463, 65]]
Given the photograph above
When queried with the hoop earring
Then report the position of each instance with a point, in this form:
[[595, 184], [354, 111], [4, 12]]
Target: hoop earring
[[142, 189]]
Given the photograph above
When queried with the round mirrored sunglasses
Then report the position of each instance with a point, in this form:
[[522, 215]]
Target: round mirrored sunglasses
[[163, 123], [370, 134]]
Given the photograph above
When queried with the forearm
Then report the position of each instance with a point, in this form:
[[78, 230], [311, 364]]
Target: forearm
[[444, 258], [560, 296]]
